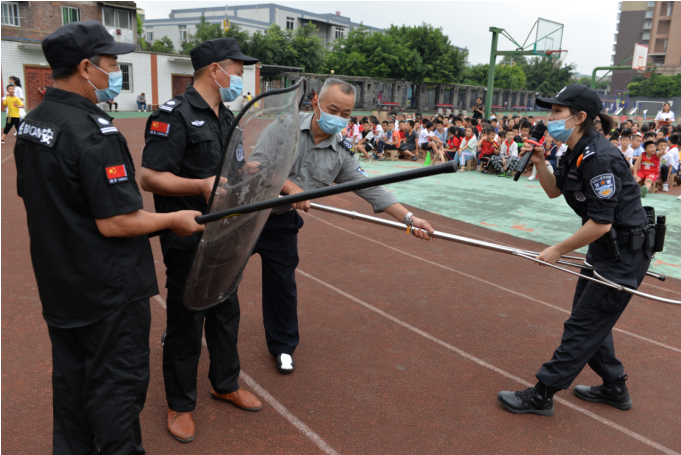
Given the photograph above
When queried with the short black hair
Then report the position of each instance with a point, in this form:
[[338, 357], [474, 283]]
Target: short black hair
[[664, 130], [674, 139], [525, 124], [430, 125], [68, 71], [474, 122], [411, 123], [438, 121], [660, 141]]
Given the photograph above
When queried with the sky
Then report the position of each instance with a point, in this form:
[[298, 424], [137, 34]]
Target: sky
[[589, 26]]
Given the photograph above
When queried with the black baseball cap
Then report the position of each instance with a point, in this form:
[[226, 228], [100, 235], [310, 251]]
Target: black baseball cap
[[577, 96], [74, 42], [218, 50]]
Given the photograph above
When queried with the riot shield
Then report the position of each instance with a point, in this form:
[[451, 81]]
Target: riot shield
[[262, 145]]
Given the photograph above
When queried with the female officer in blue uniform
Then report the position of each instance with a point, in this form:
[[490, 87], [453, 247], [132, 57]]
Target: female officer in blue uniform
[[596, 181]]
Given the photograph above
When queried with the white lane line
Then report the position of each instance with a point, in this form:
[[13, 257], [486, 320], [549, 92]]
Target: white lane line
[[488, 283], [5, 159], [280, 408], [489, 366]]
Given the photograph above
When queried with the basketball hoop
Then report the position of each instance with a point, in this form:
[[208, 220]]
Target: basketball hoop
[[557, 60], [642, 69]]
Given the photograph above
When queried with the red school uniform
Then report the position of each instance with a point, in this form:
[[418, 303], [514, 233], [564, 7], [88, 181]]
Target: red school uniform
[[487, 148], [453, 143]]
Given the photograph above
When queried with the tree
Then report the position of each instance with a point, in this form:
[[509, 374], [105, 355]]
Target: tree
[[586, 80], [656, 85], [140, 34], [506, 77], [309, 48], [542, 77], [205, 31], [241, 37], [163, 45]]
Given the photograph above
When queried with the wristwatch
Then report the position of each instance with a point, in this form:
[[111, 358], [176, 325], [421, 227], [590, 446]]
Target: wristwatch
[[408, 220]]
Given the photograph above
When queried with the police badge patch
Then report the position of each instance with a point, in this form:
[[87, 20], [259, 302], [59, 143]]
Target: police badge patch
[[362, 171], [604, 185]]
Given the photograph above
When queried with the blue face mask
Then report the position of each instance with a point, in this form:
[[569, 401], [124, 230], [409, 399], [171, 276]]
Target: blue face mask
[[331, 124], [557, 129], [236, 86], [114, 89]]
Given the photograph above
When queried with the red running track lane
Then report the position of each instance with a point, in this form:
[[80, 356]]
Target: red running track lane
[[397, 355]]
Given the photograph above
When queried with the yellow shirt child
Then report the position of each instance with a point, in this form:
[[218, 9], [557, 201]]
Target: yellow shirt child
[[13, 104]]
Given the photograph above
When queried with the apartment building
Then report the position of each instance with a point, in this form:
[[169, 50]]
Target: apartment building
[[251, 18], [654, 24]]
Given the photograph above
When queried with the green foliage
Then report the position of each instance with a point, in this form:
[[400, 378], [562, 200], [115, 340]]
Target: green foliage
[[205, 31], [309, 48], [241, 37], [506, 77], [417, 54], [541, 77], [656, 85], [163, 45], [585, 80]]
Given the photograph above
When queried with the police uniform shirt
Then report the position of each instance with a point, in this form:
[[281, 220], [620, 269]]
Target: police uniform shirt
[[329, 162], [74, 167], [596, 181], [186, 138]]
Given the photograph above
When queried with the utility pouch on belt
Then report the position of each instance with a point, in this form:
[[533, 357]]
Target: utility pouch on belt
[[612, 240], [636, 239], [660, 231]]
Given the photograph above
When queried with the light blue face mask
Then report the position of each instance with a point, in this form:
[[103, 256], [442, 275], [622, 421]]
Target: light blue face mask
[[557, 129], [236, 86], [331, 124], [114, 89]]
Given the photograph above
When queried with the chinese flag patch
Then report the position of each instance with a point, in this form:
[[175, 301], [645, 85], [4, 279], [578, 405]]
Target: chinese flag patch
[[116, 174], [159, 129]]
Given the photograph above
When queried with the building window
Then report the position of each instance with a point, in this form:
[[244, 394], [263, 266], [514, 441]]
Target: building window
[[618, 16], [645, 36], [665, 45], [117, 18], [615, 37], [339, 32], [126, 69], [647, 25], [10, 13], [650, 14], [150, 34], [69, 15], [670, 8], [651, 4], [290, 23], [183, 32], [617, 27], [619, 5], [614, 47]]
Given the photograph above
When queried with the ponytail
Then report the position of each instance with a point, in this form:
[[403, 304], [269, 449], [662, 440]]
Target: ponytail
[[588, 126]]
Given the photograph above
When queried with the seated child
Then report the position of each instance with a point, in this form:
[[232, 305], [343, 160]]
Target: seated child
[[453, 142], [467, 148], [648, 167], [506, 161], [488, 147]]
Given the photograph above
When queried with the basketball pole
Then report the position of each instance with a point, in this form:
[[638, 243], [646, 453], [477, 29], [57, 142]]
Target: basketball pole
[[492, 66]]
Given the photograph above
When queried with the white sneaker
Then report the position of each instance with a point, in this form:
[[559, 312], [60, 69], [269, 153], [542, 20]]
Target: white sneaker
[[679, 198], [138, 110], [531, 178], [665, 187]]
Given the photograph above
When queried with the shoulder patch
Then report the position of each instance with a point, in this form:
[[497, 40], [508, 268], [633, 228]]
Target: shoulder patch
[[159, 128], [362, 171], [116, 173], [41, 133], [104, 125], [604, 185], [169, 105]]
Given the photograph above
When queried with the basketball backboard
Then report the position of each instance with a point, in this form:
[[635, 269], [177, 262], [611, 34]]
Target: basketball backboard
[[549, 37], [640, 58]]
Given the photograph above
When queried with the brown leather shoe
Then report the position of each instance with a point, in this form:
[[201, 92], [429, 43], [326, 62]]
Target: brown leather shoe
[[241, 398], [181, 425]]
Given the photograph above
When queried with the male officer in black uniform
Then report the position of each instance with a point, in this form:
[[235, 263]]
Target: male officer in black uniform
[[185, 139], [323, 158], [91, 255], [596, 181]]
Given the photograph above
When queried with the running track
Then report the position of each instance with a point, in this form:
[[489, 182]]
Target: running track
[[404, 345]]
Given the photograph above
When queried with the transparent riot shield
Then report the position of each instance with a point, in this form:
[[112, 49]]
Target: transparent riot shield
[[261, 148]]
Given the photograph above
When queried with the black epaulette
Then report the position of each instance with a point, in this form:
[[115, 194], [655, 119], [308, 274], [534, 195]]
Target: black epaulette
[[346, 145], [104, 125], [170, 105], [45, 134]]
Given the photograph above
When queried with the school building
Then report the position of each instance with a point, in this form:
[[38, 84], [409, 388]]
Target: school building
[[159, 76]]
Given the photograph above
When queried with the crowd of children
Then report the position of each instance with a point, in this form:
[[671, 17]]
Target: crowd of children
[[494, 146]]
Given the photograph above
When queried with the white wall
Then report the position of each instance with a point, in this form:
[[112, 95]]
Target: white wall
[[140, 80], [14, 59], [165, 71], [257, 14]]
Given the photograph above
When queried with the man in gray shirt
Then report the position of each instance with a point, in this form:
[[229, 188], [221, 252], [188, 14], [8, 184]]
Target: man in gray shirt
[[324, 157], [141, 102]]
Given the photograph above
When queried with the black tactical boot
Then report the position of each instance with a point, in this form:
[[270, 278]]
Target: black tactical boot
[[613, 393], [535, 400]]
